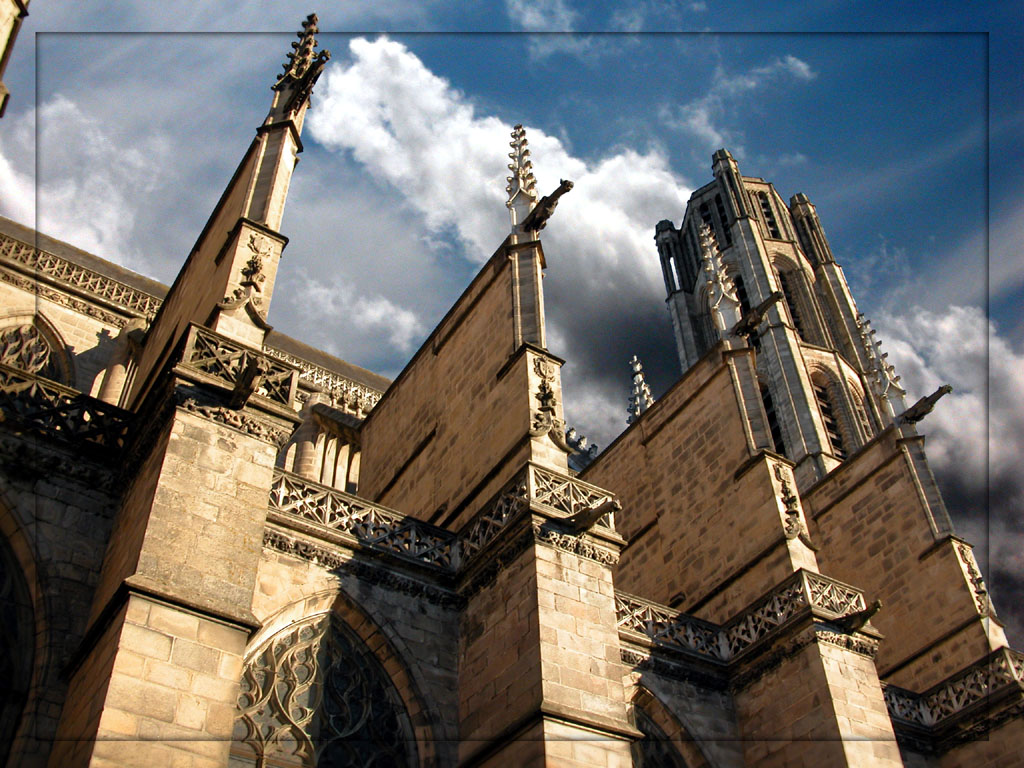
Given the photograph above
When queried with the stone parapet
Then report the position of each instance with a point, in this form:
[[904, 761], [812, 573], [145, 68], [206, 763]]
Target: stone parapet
[[966, 706]]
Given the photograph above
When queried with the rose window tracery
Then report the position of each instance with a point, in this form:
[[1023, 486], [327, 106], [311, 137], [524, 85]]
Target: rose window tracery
[[314, 695]]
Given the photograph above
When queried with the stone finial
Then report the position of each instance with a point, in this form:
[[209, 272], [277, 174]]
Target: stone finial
[[880, 373], [722, 300], [640, 398], [522, 186], [303, 57]]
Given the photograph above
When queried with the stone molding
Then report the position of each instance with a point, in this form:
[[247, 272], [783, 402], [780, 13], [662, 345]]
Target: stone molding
[[965, 706], [66, 273], [333, 560], [239, 420]]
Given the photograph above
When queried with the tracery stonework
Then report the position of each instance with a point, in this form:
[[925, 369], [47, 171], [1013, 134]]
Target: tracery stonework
[[314, 695], [25, 347]]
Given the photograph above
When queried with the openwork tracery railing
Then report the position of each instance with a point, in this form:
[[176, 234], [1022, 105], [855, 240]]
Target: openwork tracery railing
[[85, 279], [664, 625], [564, 495], [804, 590], [369, 524], [1001, 670], [44, 407], [227, 360], [349, 394]]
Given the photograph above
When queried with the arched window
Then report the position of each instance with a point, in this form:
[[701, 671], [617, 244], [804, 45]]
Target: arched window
[[723, 220], [654, 750], [829, 415], [790, 292], [29, 343], [315, 695]]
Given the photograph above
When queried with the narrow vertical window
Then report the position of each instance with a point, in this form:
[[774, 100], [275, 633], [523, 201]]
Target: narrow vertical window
[[787, 283], [773, 421], [705, 217], [723, 220], [828, 418], [741, 294], [769, 216]]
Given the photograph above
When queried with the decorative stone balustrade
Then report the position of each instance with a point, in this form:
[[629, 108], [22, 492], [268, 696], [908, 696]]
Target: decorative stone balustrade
[[382, 529], [348, 394], [804, 590], [221, 358], [1003, 670], [368, 524], [40, 406], [566, 496]]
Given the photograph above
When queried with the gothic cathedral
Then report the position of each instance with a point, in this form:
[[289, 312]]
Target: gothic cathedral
[[222, 547]]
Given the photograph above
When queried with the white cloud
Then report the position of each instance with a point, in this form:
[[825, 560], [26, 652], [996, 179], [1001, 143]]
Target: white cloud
[[88, 185], [338, 304], [706, 116], [981, 419], [416, 132]]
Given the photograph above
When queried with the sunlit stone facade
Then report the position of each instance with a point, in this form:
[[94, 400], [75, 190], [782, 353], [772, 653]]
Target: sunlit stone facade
[[221, 547]]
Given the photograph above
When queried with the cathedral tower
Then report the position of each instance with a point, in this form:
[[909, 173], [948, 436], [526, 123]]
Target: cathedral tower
[[825, 387]]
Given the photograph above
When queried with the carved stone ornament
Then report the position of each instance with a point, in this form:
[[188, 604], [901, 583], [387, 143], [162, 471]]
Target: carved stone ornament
[[247, 295], [545, 422], [53, 267], [575, 545], [970, 567], [793, 526], [314, 694], [239, 420], [25, 347]]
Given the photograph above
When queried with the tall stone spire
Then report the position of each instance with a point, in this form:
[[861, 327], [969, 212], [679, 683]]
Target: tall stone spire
[[640, 398], [522, 186], [228, 279], [722, 301]]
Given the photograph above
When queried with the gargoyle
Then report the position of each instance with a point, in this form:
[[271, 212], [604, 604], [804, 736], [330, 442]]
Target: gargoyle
[[248, 381], [851, 622], [540, 214], [922, 407], [586, 519], [747, 326]]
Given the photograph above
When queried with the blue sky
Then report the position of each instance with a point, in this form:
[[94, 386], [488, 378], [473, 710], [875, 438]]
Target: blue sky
[[902, 123]]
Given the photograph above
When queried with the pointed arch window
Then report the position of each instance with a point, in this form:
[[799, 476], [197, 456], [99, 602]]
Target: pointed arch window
[[788, 284], [315, 695], [28, 343], [723, 219]]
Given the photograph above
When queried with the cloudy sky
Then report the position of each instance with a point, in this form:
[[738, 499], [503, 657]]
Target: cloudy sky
[[902, 123]]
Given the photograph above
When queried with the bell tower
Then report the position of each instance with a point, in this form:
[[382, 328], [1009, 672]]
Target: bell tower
[[742, 252]]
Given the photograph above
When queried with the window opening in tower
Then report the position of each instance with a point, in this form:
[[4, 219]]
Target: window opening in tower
[[741, 295], [720, 207], [828, 417], [774, 429], [769, 216], [786, 283], [705, 216]]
